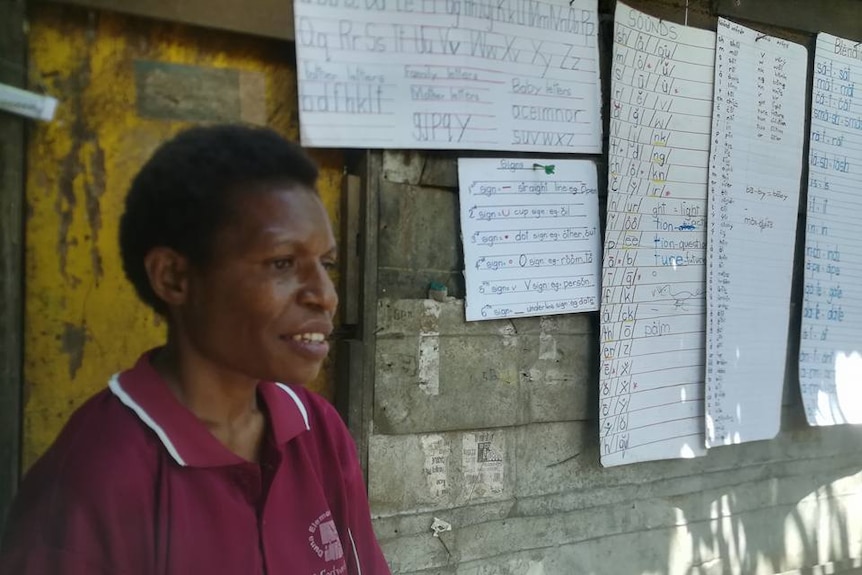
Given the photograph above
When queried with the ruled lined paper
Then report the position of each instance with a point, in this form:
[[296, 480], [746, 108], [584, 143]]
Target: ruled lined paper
[[653, 289], [449, 74], [758, 131], [830, 351]]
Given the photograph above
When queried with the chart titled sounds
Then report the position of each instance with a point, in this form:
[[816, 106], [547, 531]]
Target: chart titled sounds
[[653, 285], [531, 236]]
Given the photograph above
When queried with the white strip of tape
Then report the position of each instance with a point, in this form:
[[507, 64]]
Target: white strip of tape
[[26, 103]]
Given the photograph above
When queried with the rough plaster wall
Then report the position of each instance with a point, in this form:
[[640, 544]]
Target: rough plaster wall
[[518, 396]]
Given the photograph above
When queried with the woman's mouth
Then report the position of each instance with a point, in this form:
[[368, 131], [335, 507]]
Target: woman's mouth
[[309, 337], [312, 345]]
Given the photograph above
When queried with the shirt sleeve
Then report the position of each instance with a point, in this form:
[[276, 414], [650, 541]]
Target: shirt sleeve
[[58, 528], [85, 508]]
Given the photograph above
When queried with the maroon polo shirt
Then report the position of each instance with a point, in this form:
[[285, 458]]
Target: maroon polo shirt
[[136, 485]]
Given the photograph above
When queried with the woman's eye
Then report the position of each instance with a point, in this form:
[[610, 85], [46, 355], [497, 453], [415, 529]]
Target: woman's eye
[[330, 265], [282, 263]]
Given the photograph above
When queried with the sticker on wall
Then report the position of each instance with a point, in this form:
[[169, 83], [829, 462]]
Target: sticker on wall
[[428, 362], [169, 91], [483, 464], [436, 450]]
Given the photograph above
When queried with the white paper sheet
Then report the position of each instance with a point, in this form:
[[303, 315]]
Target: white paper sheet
[[830, 351], [653, 301], [530, 229], [758, 132], [28, 104], [449, 74]]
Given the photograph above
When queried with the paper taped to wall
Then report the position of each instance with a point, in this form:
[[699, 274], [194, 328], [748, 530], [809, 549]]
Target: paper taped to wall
[[530, 230], [28, 104], [449, 74], [830, 350], [653, 280], [758, 131]]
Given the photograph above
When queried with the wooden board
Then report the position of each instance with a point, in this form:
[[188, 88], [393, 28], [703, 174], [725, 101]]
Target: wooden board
[[12, 71], [838, 17], [271, 18]]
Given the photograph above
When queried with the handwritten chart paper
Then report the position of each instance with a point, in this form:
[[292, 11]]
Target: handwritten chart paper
[[758, 132], [530, 230], [653, 282], [449, 74], [830, 364]]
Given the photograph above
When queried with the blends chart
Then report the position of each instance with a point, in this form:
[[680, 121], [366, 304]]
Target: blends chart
[[830, 351]]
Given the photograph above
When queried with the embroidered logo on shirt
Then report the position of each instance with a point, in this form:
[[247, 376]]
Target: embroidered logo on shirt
[[323, 538]]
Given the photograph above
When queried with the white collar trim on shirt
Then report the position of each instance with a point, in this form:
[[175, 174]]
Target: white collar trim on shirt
[[129, 402], [298, 403]]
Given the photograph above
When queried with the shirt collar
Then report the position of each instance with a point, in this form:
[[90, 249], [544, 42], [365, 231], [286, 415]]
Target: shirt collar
[[185, 438]]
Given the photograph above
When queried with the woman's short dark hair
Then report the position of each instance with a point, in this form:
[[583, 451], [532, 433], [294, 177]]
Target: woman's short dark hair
[[183, 194]]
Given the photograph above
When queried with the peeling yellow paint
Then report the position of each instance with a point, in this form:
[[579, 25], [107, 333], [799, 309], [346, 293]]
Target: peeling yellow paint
[[83, 321]]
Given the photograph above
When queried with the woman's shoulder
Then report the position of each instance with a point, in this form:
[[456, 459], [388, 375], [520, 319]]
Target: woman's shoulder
[[83, 491], [101, 444]]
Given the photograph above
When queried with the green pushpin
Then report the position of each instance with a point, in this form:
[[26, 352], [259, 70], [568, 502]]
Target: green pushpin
[[549, 169]]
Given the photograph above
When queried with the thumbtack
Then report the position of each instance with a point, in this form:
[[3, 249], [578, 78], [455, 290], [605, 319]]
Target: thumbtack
[[549, 169]]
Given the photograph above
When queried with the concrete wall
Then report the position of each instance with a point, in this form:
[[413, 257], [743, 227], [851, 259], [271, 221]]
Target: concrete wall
[[491, 427]]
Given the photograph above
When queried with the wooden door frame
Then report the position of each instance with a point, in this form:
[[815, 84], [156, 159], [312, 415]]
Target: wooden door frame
[[270, 18], [354, 383], [13, 61]]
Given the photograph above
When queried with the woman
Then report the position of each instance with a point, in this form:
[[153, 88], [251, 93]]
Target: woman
[[194, 460]]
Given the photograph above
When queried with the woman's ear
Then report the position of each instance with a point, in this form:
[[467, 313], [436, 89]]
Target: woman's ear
[[168, 272]]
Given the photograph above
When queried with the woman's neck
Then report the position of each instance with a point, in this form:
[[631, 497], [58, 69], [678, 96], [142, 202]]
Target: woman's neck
[[224, 401]]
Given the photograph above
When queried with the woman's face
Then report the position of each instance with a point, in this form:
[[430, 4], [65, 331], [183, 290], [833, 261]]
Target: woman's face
[[263, 306]]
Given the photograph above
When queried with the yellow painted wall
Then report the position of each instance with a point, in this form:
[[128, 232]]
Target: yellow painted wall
[[83, 321]]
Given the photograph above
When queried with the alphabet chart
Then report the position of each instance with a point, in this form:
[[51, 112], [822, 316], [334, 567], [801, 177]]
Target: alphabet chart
[[530, 229], [758, 132], [449, 74], [830, 350], [653, 284]]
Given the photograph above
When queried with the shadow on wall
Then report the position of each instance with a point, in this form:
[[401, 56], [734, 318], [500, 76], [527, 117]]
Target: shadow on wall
[[776, 530], [792, 505], [771, 521]]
